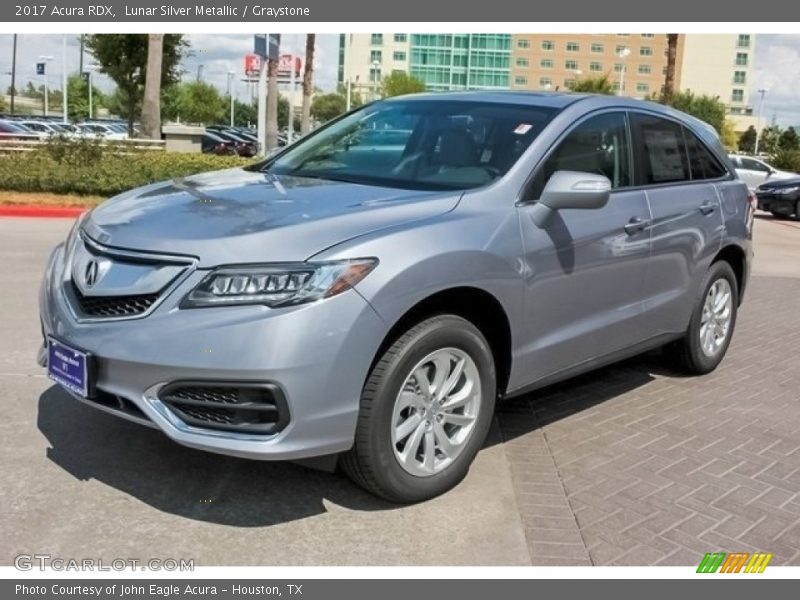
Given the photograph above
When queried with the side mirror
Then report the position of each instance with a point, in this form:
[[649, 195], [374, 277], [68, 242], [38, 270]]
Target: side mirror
[[571, 189]]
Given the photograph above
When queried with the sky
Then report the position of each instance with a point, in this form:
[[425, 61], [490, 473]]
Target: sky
[[777, 65]]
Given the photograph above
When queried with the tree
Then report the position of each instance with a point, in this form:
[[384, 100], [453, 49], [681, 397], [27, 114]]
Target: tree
[[768, 140], [151, 107], [399, 83], [706, 108], [123, 57], [672, 60], [245, 113], [272, 105], [594, 85], [747, 141], [356, 99], [194, 102], [78, 103], [728, 135], [789, 140], [308, 83], [325, 107]]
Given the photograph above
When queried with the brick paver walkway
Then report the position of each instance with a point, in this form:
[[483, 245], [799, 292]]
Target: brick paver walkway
[[638, 465]]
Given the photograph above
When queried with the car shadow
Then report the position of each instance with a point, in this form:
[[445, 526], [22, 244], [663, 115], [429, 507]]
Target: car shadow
[[146, 465]]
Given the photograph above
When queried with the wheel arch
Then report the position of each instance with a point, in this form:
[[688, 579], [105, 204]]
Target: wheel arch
[[735, 256], [477, 306]]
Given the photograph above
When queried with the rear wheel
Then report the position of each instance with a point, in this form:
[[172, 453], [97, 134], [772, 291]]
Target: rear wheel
[[425, 411], [711, 327]]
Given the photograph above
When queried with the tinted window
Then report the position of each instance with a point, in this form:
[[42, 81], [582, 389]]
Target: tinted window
[[703, 163], [754, 165], [660, 150], [418, 144], [598, 145]]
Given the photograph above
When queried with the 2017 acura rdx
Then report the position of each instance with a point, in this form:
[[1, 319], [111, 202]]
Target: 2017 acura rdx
[[369, 292]]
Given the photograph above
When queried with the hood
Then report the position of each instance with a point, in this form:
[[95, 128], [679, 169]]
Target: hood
[[783, 182], [239, 216]]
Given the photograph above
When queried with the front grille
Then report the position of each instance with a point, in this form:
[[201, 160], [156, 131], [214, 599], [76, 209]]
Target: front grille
[[113, 306], [244, 407]]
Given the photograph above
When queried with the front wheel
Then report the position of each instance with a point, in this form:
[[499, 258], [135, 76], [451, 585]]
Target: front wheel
[[425, 411], [711, 327]]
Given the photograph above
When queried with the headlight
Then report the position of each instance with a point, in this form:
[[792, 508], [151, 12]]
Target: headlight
[[788, 190], [279, 284], [73, 233]]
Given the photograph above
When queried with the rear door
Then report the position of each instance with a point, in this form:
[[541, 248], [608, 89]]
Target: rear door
[[678, 174]]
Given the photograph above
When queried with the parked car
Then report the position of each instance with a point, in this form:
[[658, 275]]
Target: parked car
[[107, 131], [12, 130], [47, 128], [242, 146], [754, 171], [780, 197], [370, 307], [214, 144]]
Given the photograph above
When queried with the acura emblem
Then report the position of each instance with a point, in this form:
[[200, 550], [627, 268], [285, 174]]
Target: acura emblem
[[91, 273]]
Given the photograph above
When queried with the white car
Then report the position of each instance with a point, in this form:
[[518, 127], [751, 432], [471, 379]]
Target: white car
[[754, 171], [49, 128], [105, 130]]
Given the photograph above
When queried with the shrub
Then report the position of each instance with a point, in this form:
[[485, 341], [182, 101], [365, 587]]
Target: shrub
[[92, 170], [786, 160]]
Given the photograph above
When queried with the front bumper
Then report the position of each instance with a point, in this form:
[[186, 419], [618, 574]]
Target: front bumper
[[319, 354], [783, 204]]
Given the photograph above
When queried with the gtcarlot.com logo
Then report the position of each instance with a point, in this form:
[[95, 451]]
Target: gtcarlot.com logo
[[734, 562], [29, 562]]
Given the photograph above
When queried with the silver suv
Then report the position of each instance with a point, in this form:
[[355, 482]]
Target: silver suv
[[368, 294]]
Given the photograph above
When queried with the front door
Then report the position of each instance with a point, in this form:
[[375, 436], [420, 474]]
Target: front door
[[585, 270]]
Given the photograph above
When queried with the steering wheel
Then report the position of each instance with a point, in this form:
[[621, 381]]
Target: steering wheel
[[410, 165]]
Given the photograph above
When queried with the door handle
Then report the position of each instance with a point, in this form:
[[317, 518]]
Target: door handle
[[708, 207], [635, 225]]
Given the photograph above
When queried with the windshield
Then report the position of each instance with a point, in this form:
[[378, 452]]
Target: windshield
[[418, 144]]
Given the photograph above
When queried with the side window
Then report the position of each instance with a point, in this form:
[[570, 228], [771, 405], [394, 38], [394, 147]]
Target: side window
[[754, 165], [660, 150], [598, 145], [703, 163]]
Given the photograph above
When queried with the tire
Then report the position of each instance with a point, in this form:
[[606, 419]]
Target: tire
[[688, 353], [399, 468], [797, 211]]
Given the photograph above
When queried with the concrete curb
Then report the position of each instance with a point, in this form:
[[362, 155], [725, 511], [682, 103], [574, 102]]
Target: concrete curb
[[43, 211]]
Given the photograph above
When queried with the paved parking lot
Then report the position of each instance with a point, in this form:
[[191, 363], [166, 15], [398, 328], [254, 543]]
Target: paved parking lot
[[632, 464]]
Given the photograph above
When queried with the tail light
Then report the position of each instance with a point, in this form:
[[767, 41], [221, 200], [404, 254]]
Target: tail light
[[752, 199]]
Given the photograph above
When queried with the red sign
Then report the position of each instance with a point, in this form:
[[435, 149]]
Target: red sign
[[286, 62], [252, 65]]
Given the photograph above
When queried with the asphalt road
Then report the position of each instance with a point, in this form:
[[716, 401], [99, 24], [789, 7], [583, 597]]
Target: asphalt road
[[79, 483]]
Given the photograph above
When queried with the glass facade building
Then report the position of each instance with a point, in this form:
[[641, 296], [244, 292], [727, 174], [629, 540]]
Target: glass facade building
[[446, 61]]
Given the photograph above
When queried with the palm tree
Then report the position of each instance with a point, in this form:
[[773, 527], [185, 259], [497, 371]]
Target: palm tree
[[272, 104], [672, 59], [151, 107], [308, 83]]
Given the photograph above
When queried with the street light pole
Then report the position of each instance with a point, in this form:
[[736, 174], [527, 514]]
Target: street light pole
[[230, 92], [64, 82], [375, 65], [13, 72], [762, 92], [46, 60], [623, 55]]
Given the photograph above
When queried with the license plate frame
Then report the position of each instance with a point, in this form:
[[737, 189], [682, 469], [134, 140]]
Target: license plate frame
[[70, 367]]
